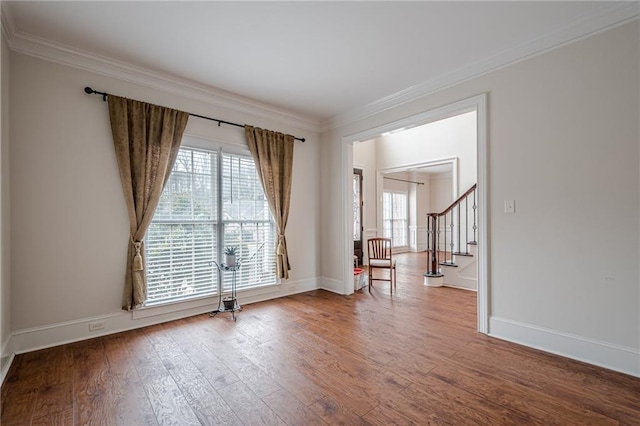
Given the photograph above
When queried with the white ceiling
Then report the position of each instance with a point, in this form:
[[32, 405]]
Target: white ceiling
[[320, 60]]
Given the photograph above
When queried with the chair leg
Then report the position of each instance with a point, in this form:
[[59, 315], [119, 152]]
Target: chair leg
[[370, 279], [395, 280]]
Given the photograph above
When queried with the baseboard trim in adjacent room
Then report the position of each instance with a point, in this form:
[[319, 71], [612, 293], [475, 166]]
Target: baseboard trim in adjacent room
[[50, 335], [603, 354]]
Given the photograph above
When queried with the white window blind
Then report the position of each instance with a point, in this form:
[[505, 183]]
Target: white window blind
[[395, 218], [186, 235], [247, 222]]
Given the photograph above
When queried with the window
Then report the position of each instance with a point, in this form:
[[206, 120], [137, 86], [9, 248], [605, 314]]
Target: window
[[212, 200], [247, 223], [394, 218], [357, 206]]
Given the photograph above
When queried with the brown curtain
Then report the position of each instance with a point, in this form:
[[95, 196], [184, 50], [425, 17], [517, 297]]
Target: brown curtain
[[146, 139], [273, 155]]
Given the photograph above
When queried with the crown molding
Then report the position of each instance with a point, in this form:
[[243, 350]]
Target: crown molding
[[608, 18], [8, 23], [55, 52]]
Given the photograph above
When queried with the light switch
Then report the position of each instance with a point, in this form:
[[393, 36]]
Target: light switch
[[509, 206]]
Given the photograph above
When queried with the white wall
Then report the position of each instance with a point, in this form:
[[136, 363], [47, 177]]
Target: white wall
[[5, 282], [423, 206], [441, 191], [69, 222], [443, 139], [563, 141]]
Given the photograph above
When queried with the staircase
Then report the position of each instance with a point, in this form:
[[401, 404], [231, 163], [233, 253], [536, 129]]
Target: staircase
[[452, 245]]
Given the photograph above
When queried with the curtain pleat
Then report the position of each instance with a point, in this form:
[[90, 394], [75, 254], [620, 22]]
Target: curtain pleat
[[272, 153], [146, 139]]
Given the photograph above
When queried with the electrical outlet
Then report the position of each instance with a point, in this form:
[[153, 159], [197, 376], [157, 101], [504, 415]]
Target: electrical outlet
[[96, 325]]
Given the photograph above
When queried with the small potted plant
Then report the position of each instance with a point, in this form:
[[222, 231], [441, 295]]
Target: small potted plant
[[229, 303], [230, 256]]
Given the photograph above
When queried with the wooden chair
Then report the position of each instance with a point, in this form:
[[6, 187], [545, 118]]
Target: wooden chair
[[380, 257]]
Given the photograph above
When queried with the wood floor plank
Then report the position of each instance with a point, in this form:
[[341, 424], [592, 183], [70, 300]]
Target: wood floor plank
[[60, 418], [91, 383], [335, 413], [411, 358], [563, 381], [438, 402], [169, 404], [130, 402], [18, 406], [248, 406], [537, 405], [201, 395], [249, 373], [288, 408]]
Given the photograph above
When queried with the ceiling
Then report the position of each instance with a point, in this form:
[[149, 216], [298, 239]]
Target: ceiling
[[320, 60]]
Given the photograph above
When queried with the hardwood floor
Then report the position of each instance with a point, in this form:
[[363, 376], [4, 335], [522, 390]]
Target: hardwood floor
[[313, 359]]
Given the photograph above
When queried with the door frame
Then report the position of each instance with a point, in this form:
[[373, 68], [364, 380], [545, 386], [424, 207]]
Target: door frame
[[476, 103]]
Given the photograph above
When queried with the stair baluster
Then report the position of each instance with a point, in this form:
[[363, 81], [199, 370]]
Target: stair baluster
[[466, 223], [459, 230], [452, 244], [433, 233], [475, 227]]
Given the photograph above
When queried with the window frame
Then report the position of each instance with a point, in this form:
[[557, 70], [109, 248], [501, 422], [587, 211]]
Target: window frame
[[221, 149], [392, 219]]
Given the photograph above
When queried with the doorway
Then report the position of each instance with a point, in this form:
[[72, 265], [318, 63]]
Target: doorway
[[477, 105], [431, 187]]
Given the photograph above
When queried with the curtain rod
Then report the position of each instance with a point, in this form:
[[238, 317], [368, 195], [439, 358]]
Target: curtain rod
[[402, 180], [90, 91]]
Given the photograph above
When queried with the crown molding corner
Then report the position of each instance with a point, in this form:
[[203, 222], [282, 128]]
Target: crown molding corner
[[8, 22], [608, 18], [55, 52]]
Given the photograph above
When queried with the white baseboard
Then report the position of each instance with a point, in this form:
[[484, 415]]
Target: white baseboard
[[459, 287], [332, 285], [42, 337], [603, 354], [6, 358]]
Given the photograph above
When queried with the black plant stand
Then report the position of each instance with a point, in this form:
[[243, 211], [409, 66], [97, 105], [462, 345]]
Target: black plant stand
[[228, 304]]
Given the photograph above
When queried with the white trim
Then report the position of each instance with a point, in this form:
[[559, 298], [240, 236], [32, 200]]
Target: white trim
[[459, 287], [5, 369], [6, 353], [62, 54], [439, 162], [611, 17], [47, 336], [603, 354], [333, 285], [615, 15], [477, 103], [8, 22], [346, 172], [171, 307], [483, 213]]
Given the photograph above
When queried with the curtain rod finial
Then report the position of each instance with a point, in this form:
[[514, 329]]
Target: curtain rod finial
[[88, 90]]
